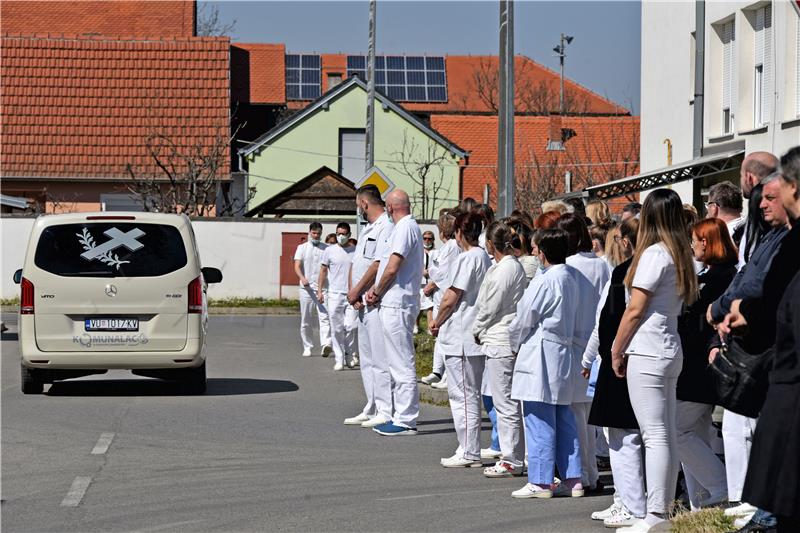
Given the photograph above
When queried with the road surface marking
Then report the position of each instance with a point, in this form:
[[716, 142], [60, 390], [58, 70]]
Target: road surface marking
[[102, 444], [76, 491], [417, 496]]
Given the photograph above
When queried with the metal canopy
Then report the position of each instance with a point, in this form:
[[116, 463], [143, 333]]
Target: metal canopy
[[709, 166]]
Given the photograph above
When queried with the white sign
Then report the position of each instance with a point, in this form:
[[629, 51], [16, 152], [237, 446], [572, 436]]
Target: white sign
[[375, 176]]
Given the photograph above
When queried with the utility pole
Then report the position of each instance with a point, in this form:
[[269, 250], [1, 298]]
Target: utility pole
[[369, 159], [505, 123], [560, 50]]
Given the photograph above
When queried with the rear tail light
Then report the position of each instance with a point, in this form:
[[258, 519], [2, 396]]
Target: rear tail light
[[196, 295], [26, 300]]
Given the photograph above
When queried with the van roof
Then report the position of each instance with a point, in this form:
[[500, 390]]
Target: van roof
[[99, 216]]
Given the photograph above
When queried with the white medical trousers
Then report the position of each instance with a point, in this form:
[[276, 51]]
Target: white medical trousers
[[704, 472], [652, 383], [499, 372], [464, 375], [737, 438], [626, 456], [309, 305], [588, 442], [398, 335], [438, 354], [337, 307], [374, 366]]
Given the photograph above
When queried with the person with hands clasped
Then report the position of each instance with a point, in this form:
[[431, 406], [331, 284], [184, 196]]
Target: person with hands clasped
[[334, 280], [503, 286], [463, 358], [647, 347]]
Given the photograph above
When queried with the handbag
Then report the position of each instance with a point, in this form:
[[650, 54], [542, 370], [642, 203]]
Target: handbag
[[741, 378]]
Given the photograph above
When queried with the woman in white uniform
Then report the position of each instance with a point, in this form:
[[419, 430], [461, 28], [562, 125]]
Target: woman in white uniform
[[439, 273], [464, 359], [592, 275], [541, 335], [502, 288], [647, 348]]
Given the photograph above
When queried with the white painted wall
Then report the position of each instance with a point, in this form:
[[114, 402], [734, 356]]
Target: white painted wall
[[247, 252], [667, 81]]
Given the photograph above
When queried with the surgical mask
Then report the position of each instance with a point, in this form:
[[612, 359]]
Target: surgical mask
[[428, 245], [342, 239], [312, 240]]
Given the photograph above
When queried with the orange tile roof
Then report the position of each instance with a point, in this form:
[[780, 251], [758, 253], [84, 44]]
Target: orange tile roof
[[83, 107], [258, 73], [471, 86], [604, 148]]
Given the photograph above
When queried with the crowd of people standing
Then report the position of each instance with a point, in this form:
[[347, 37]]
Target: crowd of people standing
[[585, 334]]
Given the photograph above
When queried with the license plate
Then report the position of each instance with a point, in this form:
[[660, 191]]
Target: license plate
[[112, 324]]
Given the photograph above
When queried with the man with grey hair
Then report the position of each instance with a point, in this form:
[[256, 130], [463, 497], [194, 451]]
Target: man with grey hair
[[397, 292], [725, 203]]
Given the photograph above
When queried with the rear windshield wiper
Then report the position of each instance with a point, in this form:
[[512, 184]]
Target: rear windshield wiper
[[88, 274]]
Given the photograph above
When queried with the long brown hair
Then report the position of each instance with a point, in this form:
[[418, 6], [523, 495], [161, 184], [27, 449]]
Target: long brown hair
[[662, 220]]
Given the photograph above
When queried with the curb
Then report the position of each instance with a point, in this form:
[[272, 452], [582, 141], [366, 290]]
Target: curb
[[428, 394]]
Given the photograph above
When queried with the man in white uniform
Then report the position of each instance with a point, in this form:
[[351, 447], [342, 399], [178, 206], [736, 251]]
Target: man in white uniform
[[334, 273], [307, 260], [397, 291], [374, 365]]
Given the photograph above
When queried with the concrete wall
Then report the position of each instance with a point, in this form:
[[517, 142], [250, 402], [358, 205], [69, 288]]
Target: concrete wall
[[248, 253], [314, 142], [667, 82]]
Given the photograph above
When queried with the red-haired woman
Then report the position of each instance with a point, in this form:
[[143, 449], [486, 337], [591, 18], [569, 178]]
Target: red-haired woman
[[705, 474]]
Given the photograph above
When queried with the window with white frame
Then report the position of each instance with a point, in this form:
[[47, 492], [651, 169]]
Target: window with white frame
[[728, 75], [762, 61]]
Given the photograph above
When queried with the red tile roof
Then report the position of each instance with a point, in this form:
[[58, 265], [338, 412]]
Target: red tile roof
[[258, 73], [164, 18], [84, 107], [604, 148], [471, 85]]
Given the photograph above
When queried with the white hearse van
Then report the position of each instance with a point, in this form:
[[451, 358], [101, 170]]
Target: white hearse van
[[104, 291]]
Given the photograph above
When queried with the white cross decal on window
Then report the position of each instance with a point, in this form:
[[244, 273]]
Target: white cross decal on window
[[128, 240]]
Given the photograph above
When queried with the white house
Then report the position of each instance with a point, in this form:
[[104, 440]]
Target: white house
[[751, 88]]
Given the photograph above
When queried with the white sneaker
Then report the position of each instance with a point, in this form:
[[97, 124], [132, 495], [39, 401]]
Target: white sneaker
[[441, 384], [338, 366], [430, 379], [326, 351], [349, 361], [491, 453], [356, 420], [640, 526], [307, 352], [621, 518], [532, 491], [606, 513], [739, 523], [740, 510], [374, 421], [355, 360], [502, 469], [458, 461]]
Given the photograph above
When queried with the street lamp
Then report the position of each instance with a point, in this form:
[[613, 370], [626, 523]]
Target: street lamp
[[560, 50]]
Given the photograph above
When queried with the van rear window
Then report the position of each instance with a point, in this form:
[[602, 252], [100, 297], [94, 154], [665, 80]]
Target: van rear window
[[110, 249]]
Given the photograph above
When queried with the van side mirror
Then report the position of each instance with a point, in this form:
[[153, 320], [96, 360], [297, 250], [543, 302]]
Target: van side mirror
[[18, 276], [211, 275]]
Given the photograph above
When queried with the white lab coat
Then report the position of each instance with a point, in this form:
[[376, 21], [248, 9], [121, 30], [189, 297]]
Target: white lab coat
[[441, 268], [455, 336], [541, 335]]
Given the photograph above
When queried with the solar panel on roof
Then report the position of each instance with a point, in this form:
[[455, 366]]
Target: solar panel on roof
[[302, 76], [405, 78]]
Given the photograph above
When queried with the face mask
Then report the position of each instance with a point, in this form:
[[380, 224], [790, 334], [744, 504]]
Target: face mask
[[428, 245], [362, 215], [312, 240], [342, 239]]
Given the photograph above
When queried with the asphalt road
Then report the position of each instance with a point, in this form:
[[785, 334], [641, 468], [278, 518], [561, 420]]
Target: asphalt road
[[263, 450]]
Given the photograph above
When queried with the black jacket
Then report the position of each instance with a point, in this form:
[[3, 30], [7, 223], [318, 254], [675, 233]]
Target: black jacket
[[695, 383], [611, 405]]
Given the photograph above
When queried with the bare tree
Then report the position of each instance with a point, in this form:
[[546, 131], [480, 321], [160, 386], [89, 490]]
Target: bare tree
[[187, 177], [209, 23], [426, 166]]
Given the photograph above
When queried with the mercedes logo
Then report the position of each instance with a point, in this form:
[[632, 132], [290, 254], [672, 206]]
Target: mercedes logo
[[111, 291]]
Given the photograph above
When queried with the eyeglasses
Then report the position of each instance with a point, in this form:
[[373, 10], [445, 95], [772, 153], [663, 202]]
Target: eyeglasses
[[618, 238], [428, 239], [709, 204]]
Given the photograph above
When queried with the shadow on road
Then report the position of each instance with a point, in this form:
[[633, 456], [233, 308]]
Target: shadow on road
[[147, 387]]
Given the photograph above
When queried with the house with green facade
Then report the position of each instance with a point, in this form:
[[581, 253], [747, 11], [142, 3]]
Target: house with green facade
[[330, 132]]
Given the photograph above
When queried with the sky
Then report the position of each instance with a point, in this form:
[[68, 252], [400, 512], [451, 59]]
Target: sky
[[604, 56]]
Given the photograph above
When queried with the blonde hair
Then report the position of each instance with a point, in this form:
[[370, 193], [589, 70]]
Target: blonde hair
[[556, 205], [662, 221], [599, 213], [613, 249]]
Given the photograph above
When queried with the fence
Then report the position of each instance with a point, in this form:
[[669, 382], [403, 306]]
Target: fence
[[249, 252]]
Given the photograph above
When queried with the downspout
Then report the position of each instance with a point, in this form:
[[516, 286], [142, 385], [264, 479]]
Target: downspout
[[699, 92]]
